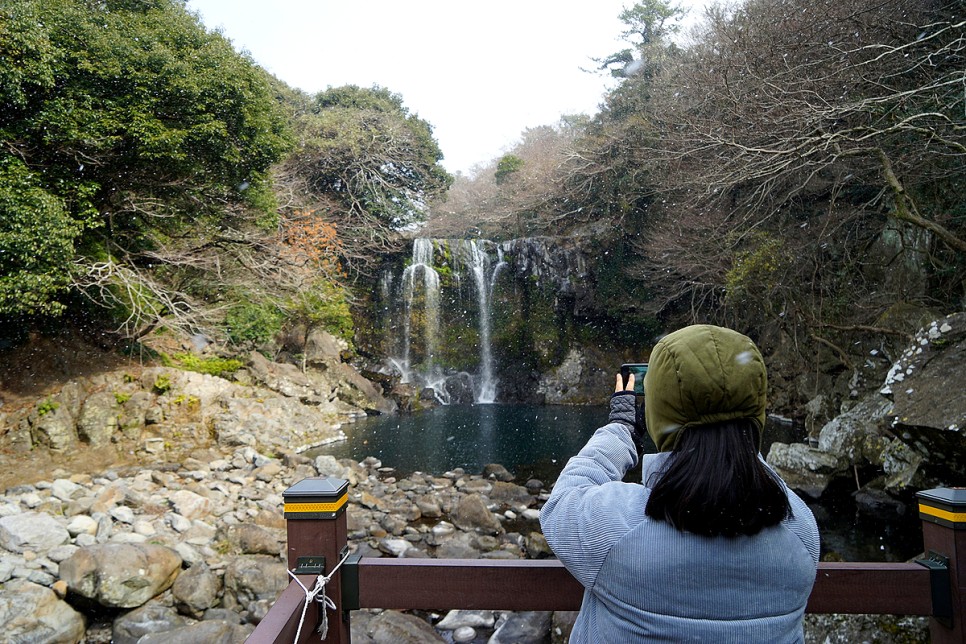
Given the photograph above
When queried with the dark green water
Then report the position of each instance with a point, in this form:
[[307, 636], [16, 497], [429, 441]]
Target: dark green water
[[529, 440], [536, 441]]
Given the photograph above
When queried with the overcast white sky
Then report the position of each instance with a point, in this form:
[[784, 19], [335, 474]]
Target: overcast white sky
[[479, 72]]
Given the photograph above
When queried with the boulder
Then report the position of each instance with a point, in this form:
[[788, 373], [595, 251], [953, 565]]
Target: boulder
[[510, 494], [274, 424], [190, 505], [473, 515], [527, 627], [806, 469], [459, 389], [196, 590], [928, 388], [121, 575], [32, 613], [474, 618], [34, 531], [53, 426], [209, 632], [251, 578], [355, 390], [256, 540], [150, 618], [855, 435], [497, 472], [393, 627], [98, 418]]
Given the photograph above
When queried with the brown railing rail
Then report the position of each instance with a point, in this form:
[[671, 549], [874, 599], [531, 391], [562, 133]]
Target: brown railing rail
[[316, 528]]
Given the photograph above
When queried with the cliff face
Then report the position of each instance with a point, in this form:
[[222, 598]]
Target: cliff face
[[525, 320], [131, 413], [909, 433]]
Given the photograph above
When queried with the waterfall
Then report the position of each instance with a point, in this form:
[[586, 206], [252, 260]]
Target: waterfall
[[470, 268], [444, 313], [422, 265], [484, 390]]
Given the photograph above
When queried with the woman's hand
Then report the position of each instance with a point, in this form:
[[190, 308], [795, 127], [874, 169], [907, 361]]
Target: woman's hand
[[620, 388], [624, 408]]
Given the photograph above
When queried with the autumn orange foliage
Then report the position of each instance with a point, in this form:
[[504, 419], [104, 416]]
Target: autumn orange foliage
[[309, 240]]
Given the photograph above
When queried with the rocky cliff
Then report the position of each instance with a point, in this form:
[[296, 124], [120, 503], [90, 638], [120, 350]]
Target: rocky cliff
[[910, 433]]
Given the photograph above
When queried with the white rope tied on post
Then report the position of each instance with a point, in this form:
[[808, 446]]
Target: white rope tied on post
[[318, 594]]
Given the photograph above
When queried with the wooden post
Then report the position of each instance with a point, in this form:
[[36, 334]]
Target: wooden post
[[315, 514], [943, 515]]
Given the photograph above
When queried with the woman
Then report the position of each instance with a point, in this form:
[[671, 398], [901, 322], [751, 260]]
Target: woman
[[713, 547]]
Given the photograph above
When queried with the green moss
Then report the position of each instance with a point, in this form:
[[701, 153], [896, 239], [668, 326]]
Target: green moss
[[162, 384], [47, 406], [212, 366], [121, 398]]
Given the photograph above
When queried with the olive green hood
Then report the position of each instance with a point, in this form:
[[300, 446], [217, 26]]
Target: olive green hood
[[699, 375]]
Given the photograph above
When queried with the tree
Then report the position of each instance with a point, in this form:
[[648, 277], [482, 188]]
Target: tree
[[36, 243], [806, 152], [375, 163], [145, 126], [508, 165], [648, 27]]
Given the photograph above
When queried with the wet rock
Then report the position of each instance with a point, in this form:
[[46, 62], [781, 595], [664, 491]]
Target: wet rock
[[497, 472], [150, 618], [528, 627], [878, 503], [31, 613], [121, 575], [473, 514], [31, 531], [508, 494]]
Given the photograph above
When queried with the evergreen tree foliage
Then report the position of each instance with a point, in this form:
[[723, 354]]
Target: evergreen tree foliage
[[143, 124]]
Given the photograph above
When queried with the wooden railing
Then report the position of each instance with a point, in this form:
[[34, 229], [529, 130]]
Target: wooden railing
[[315, 509]]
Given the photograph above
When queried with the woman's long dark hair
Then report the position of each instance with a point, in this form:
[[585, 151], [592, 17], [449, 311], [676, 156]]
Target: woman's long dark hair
[[714, 483]]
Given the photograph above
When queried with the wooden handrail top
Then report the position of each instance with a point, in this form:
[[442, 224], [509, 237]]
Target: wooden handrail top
[[845, 587]]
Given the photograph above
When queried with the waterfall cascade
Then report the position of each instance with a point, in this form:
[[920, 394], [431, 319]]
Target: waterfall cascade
[[438, 311]]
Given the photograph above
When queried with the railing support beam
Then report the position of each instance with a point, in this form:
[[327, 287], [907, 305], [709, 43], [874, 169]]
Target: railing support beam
[[317, 540], [943, 515]]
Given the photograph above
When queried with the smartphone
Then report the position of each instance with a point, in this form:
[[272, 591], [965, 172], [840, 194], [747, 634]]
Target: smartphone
[[638, 369]]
